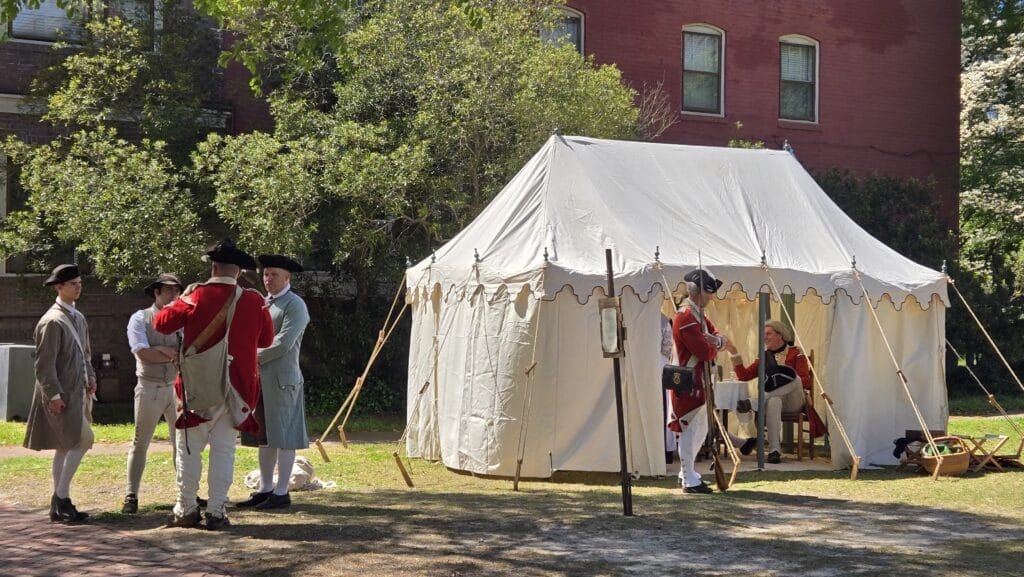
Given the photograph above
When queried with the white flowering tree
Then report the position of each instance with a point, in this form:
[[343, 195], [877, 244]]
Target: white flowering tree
[[992, 160]]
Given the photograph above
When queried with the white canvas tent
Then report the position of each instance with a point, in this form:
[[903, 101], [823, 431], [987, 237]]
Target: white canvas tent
[[518, 286]]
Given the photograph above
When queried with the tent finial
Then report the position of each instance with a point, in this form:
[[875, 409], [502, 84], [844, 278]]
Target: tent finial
[[853, 262], [433, 257], [545, 254], [788, 148], [556, 131], [943, 266], [476, 256], [408, 262], [657, 253], [764, 259]]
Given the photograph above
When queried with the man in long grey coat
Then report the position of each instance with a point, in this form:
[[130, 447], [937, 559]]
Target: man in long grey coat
[[65, 383], [283, 402]]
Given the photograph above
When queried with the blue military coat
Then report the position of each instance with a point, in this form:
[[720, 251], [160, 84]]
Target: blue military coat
[[280, 377]]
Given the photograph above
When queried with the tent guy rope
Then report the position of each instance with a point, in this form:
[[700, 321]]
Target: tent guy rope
[[952, 283]]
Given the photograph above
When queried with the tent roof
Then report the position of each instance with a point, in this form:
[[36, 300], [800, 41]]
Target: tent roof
[[578, 196]]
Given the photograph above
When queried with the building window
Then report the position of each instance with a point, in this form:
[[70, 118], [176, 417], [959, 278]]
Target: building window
[[568, 28], [798, 79], [48, 23], [703, 50]]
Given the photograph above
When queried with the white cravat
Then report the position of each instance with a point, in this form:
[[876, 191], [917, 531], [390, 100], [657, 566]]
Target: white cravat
[[279, 294]]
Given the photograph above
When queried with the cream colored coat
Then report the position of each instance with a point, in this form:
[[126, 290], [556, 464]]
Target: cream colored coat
[[61, 367]]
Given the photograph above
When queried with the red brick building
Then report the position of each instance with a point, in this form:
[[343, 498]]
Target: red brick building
[[867, 85]]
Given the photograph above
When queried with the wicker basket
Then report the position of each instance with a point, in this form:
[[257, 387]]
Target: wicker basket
[[954, 463]]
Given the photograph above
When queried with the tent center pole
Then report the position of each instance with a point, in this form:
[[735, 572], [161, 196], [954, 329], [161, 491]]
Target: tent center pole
[[763, 306]]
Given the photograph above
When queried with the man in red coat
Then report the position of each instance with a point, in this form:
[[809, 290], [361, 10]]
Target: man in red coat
[[210, 312], [694, 348]]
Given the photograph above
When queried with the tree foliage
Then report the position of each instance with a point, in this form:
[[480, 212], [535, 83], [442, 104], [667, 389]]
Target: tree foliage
[[113, 186], [435, 106], [991, 267]]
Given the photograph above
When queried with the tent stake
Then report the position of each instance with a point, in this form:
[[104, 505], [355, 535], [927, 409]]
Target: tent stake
[[401, 467]]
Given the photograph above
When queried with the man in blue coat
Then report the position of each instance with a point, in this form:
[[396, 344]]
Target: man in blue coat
[[283, 403]]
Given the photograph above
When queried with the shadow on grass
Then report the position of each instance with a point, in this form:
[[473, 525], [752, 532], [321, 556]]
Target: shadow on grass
[[582, 532]]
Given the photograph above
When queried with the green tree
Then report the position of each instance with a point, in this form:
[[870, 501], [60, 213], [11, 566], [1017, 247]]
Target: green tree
[[436, 105], [113, 185]]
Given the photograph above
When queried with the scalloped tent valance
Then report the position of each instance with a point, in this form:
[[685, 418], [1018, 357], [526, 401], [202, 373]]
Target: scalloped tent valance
[[548, 228]]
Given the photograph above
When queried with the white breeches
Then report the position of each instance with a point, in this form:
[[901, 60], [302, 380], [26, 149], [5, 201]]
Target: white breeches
[[151, 402], [788, 398], [219, 433], [690, 441]]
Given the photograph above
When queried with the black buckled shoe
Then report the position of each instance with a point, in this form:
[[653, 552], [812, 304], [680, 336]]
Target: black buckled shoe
[[701, 489], [54, 501], [254, 499], [748, 445], [131, 504], [186, 521], [215, 523], [66, 512], [774, 458], [275, 501], [200, 502]]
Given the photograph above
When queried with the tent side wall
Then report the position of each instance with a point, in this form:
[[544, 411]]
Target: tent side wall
[[867, 391]]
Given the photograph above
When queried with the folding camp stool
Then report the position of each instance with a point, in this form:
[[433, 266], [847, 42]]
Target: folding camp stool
[[983, 450]]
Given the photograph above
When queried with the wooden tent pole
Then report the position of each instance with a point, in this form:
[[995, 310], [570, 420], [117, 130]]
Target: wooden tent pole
[[354, 392]]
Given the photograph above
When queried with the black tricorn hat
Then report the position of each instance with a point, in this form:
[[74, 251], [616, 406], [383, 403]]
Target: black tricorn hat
[[279, 261], [165, 278], [63, 273], [226, 252], [704, 279]]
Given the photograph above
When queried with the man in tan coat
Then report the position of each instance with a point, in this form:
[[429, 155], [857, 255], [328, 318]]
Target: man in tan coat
[[65, 383]]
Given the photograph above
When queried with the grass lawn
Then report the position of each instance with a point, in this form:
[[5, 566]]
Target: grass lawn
[[451, 524]]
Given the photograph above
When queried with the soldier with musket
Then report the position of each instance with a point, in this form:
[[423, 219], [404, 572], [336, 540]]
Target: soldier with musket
[[694, 348]]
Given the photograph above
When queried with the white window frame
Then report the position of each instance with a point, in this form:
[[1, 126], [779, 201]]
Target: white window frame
[[801, 40], [156, 14], [701, 28], [573, 13]]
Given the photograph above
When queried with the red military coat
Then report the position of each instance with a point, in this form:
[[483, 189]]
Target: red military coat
[[689, 339], [251, 328], [794, 358]]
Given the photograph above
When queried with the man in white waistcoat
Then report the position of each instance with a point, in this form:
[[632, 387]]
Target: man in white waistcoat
[[283, 402], [156, 355]]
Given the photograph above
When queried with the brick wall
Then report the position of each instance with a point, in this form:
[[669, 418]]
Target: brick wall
[[24, 300], [888, 77]]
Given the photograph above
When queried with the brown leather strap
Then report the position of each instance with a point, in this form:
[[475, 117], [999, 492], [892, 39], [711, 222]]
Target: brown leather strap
[[214, 324]]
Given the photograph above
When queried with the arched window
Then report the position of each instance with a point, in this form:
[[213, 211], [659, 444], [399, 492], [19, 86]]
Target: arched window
[[703, 69], [568, 28], [798, 78]]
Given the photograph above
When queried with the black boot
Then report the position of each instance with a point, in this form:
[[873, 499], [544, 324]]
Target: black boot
[[54, 501], [67, 513]]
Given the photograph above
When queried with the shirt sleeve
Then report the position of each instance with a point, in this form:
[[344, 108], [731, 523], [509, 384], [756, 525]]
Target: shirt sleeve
[[137, 333]]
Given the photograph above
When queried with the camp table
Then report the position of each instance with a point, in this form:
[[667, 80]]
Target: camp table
[[983, 449]]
